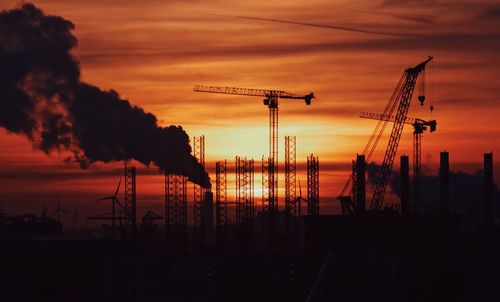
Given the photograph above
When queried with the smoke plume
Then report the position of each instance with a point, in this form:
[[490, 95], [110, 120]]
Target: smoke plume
[[43, 99], [466, 189]]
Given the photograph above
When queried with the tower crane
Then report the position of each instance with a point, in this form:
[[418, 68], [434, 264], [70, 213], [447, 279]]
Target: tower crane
[[419, 126], [271, 98], [399, 101]]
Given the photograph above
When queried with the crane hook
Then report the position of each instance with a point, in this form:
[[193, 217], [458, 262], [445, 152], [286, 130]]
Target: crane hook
[[421, 99]]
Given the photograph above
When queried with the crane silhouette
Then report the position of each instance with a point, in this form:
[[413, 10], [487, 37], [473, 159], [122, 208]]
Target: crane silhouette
[[271, 98], [419, 126], [399, 102]]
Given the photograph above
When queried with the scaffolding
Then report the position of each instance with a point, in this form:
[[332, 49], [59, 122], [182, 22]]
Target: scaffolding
[[175, 208], [245, 206], [291, 208], [268, 209], [199, 192], [354, 185], [129, 205], [272, 167], [148, 226], [221, 218], [312, 185]]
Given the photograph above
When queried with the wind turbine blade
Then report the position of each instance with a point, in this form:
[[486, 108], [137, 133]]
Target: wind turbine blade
[[106, 198], [300, 189], [118, 202], [118, 188]]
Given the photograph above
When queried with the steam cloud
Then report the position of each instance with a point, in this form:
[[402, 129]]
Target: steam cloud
[[42, 98], [466, 189]]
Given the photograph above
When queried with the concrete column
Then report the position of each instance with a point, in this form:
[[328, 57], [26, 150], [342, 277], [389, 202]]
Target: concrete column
[[488, 188], [405, 185], [360, 183], [444, 177]]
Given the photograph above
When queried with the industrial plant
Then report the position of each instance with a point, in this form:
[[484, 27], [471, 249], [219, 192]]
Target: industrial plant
[[249, 247]]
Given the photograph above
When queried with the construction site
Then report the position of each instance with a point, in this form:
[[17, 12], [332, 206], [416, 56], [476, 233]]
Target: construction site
[[251, 243]]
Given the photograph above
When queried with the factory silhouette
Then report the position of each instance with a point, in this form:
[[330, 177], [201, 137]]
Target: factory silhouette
[[437, 241]]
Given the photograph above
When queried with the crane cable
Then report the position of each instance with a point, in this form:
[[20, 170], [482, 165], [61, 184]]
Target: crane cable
[[379, 130]]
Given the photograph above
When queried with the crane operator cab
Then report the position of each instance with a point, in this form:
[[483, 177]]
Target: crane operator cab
[[432, 125], [308, 98], [271, 102]]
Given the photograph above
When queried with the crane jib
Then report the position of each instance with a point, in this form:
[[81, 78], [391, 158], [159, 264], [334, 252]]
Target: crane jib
[[401, 99], [252, 92], [397, 129]]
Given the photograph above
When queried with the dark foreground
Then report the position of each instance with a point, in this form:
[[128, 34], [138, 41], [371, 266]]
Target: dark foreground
[[363, 258]]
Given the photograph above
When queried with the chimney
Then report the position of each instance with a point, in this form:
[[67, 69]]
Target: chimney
[[488, 188], [444, 177], [208, 209], [208, 221], [360, 183], [405, 185]]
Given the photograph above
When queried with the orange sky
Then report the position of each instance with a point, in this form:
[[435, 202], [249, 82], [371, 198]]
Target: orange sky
[[153, 52]]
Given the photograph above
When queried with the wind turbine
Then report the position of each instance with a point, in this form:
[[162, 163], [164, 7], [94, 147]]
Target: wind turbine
[[114, 202], [300, 199], [59, 210]]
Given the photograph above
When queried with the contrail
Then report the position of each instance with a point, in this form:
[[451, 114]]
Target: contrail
[[415, 18], [336, 27]]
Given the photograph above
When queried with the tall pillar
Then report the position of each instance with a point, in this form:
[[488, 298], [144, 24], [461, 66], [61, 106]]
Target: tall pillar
[[360, 183], [488, 188], [312, 185], [208, 219], [405, 185], [444, 176]]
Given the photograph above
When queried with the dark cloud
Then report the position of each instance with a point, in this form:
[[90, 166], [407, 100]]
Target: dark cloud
[[42, 98], [492, 13], [466, 42], [420, 3], [466, 190], [419, 18]]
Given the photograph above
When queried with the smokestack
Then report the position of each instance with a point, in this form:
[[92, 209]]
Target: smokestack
[[360, 183], [488, 188], [405, 185], [208, 209], [444, 176], [43, 98]]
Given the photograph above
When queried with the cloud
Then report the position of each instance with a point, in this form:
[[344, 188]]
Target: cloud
[[466, 190], [419, 3], [419, 18], [492, 13]]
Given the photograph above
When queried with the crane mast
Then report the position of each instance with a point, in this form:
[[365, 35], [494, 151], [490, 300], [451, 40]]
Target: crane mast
[[411, 76], [400, 99], [419, 126], [270, 166]]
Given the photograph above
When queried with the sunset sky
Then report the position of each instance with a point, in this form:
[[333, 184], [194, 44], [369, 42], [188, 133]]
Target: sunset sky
[[349, 53]]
